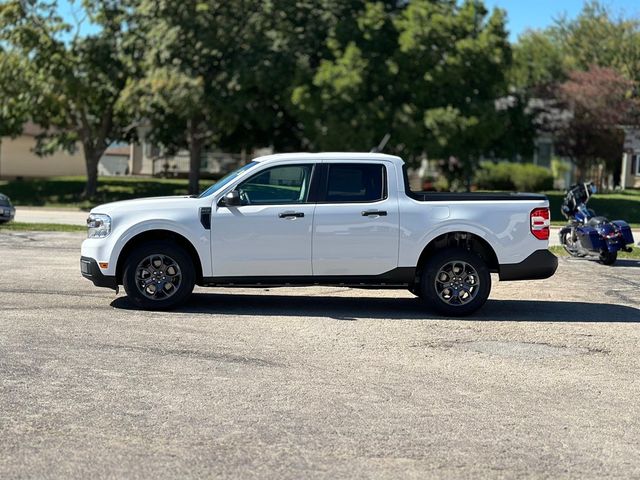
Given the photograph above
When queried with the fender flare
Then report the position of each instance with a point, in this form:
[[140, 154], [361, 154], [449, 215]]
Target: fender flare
[[135, 230]]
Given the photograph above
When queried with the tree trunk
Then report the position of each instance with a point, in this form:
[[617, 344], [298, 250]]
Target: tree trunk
[[195, 156], [582, 168], [91, 158]]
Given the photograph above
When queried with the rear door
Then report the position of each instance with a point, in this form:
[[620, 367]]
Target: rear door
[[270, 233], [356, 221]]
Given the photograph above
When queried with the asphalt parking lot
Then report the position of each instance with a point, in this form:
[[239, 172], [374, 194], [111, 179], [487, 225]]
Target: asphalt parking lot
[[315, 382]]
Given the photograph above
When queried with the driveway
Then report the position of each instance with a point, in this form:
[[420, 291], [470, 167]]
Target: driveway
[[315, 382]]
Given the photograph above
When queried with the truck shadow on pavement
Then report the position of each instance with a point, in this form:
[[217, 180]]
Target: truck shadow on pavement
[[623, 262], [354, 308]]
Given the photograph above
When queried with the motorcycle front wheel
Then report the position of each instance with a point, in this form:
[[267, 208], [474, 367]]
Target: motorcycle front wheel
[[608, 258], [565, 240]]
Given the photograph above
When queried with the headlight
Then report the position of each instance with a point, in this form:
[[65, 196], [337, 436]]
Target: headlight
[[98, 225]]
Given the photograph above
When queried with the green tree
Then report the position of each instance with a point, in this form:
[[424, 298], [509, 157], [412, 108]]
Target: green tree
[[73, 85], [289, 43], [538, 62], [598, 37], [427, 72], [346, 102], [455, 57], [14, 92], [199, 84]]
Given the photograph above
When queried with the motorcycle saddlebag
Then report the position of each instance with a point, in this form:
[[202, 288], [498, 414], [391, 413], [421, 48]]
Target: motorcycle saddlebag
[[625, 229], [590, 239]]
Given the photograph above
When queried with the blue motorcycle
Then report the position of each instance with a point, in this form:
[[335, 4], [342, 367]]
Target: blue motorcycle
[[588, 235]]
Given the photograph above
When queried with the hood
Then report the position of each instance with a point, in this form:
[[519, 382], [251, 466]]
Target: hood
[[140, 204]]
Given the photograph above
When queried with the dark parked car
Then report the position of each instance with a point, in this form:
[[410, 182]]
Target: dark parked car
[[7, 211]]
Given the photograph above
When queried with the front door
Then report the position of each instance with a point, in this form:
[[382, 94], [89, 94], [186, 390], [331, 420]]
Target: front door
[[270, 233], [356, 224]]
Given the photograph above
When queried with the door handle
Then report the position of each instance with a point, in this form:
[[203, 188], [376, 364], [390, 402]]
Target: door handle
[[374, 213], [291, 215]]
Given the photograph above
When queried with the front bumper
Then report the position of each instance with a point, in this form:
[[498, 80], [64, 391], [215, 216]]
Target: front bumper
[[7, 213], [540, 264], [89, 269]]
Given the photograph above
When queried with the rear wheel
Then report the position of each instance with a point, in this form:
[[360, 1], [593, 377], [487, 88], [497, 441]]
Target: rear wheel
[[455, 282], [608, 258], [158, 275]]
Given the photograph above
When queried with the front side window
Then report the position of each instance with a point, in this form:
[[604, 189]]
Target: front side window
[[227, 179], [356, 182], [278, 185]]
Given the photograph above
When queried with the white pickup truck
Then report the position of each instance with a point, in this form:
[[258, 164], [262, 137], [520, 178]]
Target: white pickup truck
[[345, 219]]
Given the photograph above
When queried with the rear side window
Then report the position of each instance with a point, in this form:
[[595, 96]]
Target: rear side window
[[355, 182]]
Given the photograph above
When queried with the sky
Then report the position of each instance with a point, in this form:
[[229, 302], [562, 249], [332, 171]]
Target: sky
[[521, 14]]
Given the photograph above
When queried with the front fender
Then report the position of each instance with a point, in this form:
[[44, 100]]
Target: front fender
[[199, 240]]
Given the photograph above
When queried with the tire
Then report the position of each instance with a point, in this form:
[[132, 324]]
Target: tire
[[564, 241], [168, 271], [608, 258], [472, 286]]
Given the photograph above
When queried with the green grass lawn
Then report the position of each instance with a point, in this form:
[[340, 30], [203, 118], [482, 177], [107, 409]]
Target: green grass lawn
[[41, 227]]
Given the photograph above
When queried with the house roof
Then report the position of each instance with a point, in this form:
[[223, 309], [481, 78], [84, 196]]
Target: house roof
[[32, 129], [118, 151]]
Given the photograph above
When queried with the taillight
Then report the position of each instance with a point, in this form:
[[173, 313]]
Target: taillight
[[540, 223]]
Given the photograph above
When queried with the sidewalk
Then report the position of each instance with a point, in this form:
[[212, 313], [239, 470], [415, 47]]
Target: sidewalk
[[51, 215]]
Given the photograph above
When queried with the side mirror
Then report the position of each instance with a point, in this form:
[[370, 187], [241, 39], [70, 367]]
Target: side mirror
[[231, 199]]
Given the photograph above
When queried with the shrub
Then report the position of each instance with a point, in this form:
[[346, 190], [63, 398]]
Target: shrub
[[513, 176]]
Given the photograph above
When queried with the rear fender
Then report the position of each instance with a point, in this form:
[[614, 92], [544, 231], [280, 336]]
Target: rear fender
[[624, 227]]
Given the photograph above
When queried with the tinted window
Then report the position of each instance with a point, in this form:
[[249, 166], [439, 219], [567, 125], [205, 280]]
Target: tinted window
[[355, 183], [277, 185], [227, 178]]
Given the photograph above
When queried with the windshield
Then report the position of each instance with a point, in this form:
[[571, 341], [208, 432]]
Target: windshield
[[226, 179]]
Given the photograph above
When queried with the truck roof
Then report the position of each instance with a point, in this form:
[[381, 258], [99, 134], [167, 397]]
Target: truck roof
[[328, 156]]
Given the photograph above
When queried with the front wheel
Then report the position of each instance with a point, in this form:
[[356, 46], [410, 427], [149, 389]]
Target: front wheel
[[569, 245], [455, 282], [158, 275], [608, 258]]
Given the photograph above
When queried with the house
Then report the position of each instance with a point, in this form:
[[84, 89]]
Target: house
[[18, 159], [116, 161], [630, 177]]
